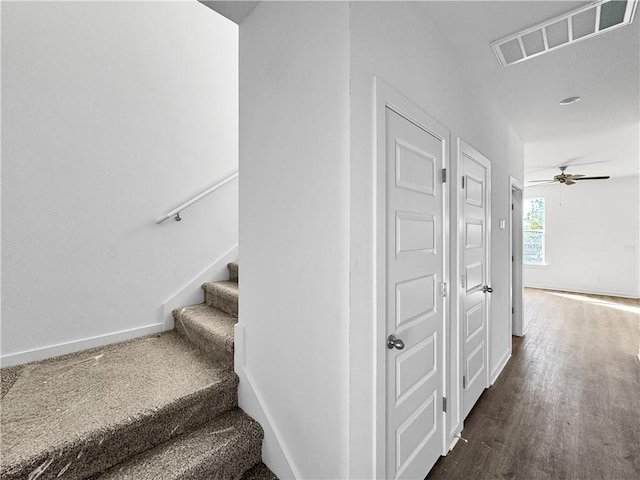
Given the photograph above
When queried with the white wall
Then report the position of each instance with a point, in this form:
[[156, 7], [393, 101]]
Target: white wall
[[113, 113], [294, 221], [591, 237], [397, 42]]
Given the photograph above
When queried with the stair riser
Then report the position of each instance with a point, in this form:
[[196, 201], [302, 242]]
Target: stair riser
[[208, 345], [104, 449], [233, 271], [222, 301], [233, 276], [246, 455], [246, 452]]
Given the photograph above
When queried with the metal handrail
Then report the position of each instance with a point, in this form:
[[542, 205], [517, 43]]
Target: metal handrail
[[175, 213]]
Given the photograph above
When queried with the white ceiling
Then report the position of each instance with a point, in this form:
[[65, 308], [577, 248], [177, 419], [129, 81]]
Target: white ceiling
[[599, 135], [603, 70]]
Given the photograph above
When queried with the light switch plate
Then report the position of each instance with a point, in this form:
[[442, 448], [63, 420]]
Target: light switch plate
[[503, 224]]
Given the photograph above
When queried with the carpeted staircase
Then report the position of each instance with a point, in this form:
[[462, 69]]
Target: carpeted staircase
[[160, 407]]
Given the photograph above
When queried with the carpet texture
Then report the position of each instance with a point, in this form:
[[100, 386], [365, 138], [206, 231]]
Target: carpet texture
[[210, 329], [86, 412], [157, 407], [223, 449], [223, 296], [233, 272], [8, 377], [259, 472]]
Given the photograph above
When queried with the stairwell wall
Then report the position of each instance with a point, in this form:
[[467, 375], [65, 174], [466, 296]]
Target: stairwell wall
[[113, 113], [294, 249]]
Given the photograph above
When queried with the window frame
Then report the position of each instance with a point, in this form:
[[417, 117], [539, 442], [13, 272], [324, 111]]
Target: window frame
[[527, 230]]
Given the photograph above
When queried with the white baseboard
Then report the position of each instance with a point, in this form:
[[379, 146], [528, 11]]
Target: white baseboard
[[501, 364], [275, 453], [191, 293], [77, 345], [453, 441], [587, 291]]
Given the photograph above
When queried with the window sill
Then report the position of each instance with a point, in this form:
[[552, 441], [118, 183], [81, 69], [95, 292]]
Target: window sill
[[535, 265]]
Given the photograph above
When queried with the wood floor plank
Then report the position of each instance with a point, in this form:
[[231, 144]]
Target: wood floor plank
[[567, 405]]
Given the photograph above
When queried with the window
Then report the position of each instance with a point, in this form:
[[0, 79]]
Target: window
[[533, 231]]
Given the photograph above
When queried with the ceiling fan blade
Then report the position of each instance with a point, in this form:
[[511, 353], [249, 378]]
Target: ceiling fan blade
[[574, 177], [570, 163], [539, 183], [570, 182], [593, 178]]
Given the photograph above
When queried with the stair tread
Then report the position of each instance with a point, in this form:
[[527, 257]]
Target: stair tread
[[91, 397], [230, 442], [206, 327]]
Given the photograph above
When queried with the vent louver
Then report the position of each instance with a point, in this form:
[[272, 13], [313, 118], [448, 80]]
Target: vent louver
[[585, 22]]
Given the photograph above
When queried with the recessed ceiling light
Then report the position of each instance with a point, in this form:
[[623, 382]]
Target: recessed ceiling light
[[569, 101]]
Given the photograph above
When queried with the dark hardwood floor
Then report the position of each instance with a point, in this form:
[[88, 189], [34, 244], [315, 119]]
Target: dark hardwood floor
[[567, 405]]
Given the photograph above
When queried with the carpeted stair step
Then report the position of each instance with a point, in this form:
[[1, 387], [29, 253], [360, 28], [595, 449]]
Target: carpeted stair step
[[233, 271], [259, 472], [210, 329], [223, 449], [223, 296], [74, 416]]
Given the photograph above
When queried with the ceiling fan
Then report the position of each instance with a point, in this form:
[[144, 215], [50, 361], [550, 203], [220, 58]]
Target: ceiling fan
[[567, 178]]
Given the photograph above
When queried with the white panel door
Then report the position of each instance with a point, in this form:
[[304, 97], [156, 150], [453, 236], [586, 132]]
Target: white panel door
[[475, 245], [415, 304]]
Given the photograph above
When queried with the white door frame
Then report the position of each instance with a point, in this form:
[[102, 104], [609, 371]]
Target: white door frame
[[515, 254], [386, 96]]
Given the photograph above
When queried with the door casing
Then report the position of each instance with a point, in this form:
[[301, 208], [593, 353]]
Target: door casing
[[516, 192]]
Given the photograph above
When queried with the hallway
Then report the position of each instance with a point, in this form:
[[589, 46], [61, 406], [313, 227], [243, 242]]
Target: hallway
[[567, 404]]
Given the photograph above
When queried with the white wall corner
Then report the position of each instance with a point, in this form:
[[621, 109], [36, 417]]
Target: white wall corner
[[191, 293], [275, 453]]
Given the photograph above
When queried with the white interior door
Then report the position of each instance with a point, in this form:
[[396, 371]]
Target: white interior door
[[475, 246], [415, 308]]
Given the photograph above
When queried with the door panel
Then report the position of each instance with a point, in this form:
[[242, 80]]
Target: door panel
[[474, 253], [415, 306]]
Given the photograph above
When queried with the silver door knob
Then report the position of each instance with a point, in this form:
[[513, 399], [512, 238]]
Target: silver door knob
[[393, 342], [487, 289]]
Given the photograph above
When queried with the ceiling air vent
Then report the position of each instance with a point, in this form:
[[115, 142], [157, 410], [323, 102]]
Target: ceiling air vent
[[579, 24]]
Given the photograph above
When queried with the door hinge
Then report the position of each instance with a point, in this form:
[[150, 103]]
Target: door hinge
[[464, 281], [513, 258], [444, 404], [443, 285], [464, 382], [444, 175], [512, 206], [513, 310], [463, 181]]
